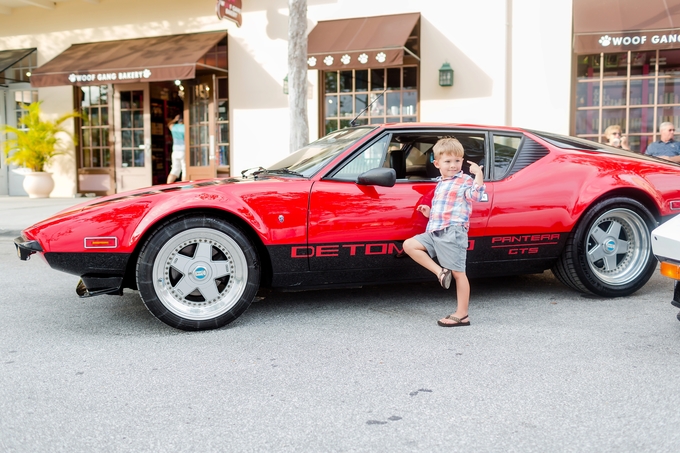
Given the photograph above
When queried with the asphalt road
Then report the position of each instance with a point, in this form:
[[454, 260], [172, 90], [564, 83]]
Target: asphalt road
[[360, 370]]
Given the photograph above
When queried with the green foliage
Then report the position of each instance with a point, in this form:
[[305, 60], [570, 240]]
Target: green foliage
[[36, 141]]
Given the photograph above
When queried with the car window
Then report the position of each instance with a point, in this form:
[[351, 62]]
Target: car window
[[505, 147], [417, 160], [411, 156], [372, 157], [475, 151]]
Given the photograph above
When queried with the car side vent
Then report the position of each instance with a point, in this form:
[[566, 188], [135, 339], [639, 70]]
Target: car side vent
[[529, 152]]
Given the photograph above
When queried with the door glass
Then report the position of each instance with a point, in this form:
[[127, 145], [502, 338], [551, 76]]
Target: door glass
[[505, 148], [372, 157], [132, 128], [199, 126]]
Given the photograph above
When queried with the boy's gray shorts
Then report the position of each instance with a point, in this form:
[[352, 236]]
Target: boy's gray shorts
[[449, 246]]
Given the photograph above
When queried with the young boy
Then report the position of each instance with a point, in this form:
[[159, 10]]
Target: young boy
[[449, 219]]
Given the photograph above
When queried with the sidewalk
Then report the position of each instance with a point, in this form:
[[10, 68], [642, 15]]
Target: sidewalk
[[17, 213]]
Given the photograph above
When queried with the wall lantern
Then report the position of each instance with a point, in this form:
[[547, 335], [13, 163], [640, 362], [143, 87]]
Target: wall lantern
[[285, 84], [445, 75]]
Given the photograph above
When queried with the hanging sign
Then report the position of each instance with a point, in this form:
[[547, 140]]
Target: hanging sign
[[230, 10]]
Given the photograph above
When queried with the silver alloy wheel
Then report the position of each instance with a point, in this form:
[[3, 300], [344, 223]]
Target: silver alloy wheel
[[618, 246], [200, 274]]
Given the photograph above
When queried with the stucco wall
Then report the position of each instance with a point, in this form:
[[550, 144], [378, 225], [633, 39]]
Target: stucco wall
[[541, 64]]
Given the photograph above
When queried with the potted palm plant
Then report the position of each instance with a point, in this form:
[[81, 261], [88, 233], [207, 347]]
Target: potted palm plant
[[33, 145]]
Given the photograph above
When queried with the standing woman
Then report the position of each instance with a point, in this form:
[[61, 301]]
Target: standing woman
[[176, 126], [614, 137]]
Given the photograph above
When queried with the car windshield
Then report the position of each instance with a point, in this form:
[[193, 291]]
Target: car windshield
[[313, 157]]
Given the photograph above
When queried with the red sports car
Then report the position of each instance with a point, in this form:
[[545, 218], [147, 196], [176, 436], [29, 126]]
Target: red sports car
[[336, 213]]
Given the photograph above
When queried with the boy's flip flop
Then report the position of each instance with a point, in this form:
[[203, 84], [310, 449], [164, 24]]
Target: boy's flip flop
[[445, 278], [458, 322]]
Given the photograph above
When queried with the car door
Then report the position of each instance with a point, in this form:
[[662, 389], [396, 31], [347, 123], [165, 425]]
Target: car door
[[526, 231], [356, 231]]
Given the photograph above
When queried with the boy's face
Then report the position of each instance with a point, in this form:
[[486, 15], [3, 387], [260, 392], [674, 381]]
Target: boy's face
[[448, 164]]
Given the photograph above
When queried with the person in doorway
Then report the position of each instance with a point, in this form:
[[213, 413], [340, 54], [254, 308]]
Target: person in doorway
[[614, 137], [449, 220], [176, 126], [665, 147]]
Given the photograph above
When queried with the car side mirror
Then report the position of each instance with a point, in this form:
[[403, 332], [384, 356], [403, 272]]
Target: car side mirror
[[385, 177]]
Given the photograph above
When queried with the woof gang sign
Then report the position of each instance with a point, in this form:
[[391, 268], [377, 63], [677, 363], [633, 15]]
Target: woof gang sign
[[230, 10]]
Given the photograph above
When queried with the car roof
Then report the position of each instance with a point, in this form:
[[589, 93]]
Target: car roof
[[449, 125]]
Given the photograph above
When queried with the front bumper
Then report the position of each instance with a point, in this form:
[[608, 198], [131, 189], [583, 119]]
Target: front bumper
[[26, 248]]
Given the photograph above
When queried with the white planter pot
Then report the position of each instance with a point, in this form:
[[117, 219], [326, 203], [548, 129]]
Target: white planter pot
[[38, 184]]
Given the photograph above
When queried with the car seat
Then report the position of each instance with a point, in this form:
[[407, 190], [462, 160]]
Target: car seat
[[398, 162], [430, 169]]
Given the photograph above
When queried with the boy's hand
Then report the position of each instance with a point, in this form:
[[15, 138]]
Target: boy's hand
[[475, 169], [424, 210]]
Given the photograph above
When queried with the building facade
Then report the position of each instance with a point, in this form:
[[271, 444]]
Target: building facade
[[130, 66], [627, 68]]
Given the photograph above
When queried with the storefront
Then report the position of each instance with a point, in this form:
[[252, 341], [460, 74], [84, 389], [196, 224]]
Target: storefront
[[128, 90], [368, 69], [15, 90], [627, 68], [130, 65]]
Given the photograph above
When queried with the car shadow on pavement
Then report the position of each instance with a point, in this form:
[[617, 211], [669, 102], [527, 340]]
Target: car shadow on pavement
[[126, 314]]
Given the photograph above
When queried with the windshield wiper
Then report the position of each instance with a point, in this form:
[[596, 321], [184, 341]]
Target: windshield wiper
[[283, 171], [255, 171]]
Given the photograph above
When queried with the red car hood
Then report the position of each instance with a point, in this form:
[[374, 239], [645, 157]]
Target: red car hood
[[127, 216]]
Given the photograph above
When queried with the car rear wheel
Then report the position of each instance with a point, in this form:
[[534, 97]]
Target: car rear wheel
[[198, 273], [609, 253]]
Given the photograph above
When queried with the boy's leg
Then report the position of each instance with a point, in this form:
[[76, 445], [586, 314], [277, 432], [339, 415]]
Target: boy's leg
[[418, 253], [463, 296]]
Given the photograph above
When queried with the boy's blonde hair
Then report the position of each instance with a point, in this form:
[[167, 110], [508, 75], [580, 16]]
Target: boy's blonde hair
[[448, 145]]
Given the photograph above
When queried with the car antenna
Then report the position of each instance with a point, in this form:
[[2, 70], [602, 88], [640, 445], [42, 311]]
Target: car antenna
[[353, 123]]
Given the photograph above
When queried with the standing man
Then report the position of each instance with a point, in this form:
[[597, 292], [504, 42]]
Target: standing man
[[666, 147], [176, 126]]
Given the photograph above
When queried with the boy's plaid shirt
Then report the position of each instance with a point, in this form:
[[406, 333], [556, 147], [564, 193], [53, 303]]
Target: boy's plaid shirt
[[452, 201]]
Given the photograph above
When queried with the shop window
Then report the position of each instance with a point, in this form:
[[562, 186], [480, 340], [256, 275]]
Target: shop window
[[216, 57], [132, 128], [199, 125], [637, 90], [22, 99], [223, 125], [95, 149], [392, 94]]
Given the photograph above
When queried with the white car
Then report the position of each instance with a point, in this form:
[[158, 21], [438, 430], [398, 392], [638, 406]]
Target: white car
[[666, 247]]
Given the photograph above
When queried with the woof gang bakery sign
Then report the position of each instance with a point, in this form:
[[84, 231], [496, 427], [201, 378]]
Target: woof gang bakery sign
[[127, 76], [621, 42], [230, 10]]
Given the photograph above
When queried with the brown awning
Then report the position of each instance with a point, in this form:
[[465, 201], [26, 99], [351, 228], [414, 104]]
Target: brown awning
[[621, 25], [9, 57], [130, 60], [365, 42]]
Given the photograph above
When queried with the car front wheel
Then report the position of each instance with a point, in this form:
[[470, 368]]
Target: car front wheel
[[609, 253], [198, 273]]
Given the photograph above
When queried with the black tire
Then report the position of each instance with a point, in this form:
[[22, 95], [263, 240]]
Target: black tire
[[609, 253], [198, 273]]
